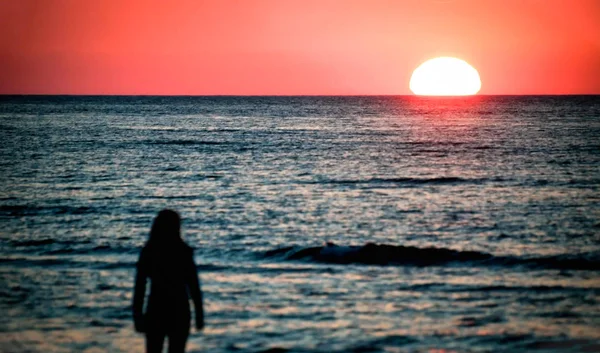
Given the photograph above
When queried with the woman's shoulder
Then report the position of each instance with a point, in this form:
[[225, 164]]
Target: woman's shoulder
[[153, 250], [144, 258]]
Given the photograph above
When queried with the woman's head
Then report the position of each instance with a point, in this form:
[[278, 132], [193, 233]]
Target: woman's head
[[166, 227]]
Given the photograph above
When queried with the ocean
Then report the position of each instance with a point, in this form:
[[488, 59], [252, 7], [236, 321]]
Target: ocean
[[320, 224]]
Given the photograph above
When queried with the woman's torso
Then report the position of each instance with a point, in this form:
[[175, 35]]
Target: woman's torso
[[166, 267]]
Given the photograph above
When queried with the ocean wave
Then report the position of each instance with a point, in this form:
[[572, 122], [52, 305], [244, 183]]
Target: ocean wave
[[183, 142], [45, 242], [48, 246], [32, 242], [404, 181], [86, 250], [39, 262], [27, 210], [62, 262], [383, 254]]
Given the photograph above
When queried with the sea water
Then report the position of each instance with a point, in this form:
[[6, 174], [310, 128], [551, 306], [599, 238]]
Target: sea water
[[320, 224]]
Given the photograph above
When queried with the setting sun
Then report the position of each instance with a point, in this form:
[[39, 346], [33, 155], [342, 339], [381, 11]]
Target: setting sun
[[445, 76]]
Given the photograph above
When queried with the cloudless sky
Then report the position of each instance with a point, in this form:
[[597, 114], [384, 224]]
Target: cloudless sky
[[287, 47]]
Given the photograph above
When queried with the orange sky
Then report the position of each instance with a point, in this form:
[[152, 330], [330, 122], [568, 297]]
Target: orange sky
[[293, 47]]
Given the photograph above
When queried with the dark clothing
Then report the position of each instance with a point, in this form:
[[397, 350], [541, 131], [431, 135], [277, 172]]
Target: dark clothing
[[173, 279], [177, 341]]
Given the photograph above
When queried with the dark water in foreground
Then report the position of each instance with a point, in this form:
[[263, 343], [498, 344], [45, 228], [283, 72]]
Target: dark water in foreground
[[466, 224]]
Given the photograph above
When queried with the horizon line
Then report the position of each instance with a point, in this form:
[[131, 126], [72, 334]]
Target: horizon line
[[290, 95]]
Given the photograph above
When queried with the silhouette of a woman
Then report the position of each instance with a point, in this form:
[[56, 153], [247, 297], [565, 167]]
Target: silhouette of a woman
[[169, 264]]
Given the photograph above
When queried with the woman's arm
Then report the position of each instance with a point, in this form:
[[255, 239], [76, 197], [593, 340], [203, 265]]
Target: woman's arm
[[195, 292], [139, 293]]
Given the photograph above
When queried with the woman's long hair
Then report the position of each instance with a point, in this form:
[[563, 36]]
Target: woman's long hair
[[166, 229]]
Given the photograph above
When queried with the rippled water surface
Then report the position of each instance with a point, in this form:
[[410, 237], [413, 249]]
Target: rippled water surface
[[321, 224]]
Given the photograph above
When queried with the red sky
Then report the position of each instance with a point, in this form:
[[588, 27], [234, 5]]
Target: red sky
[[293, 47]]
